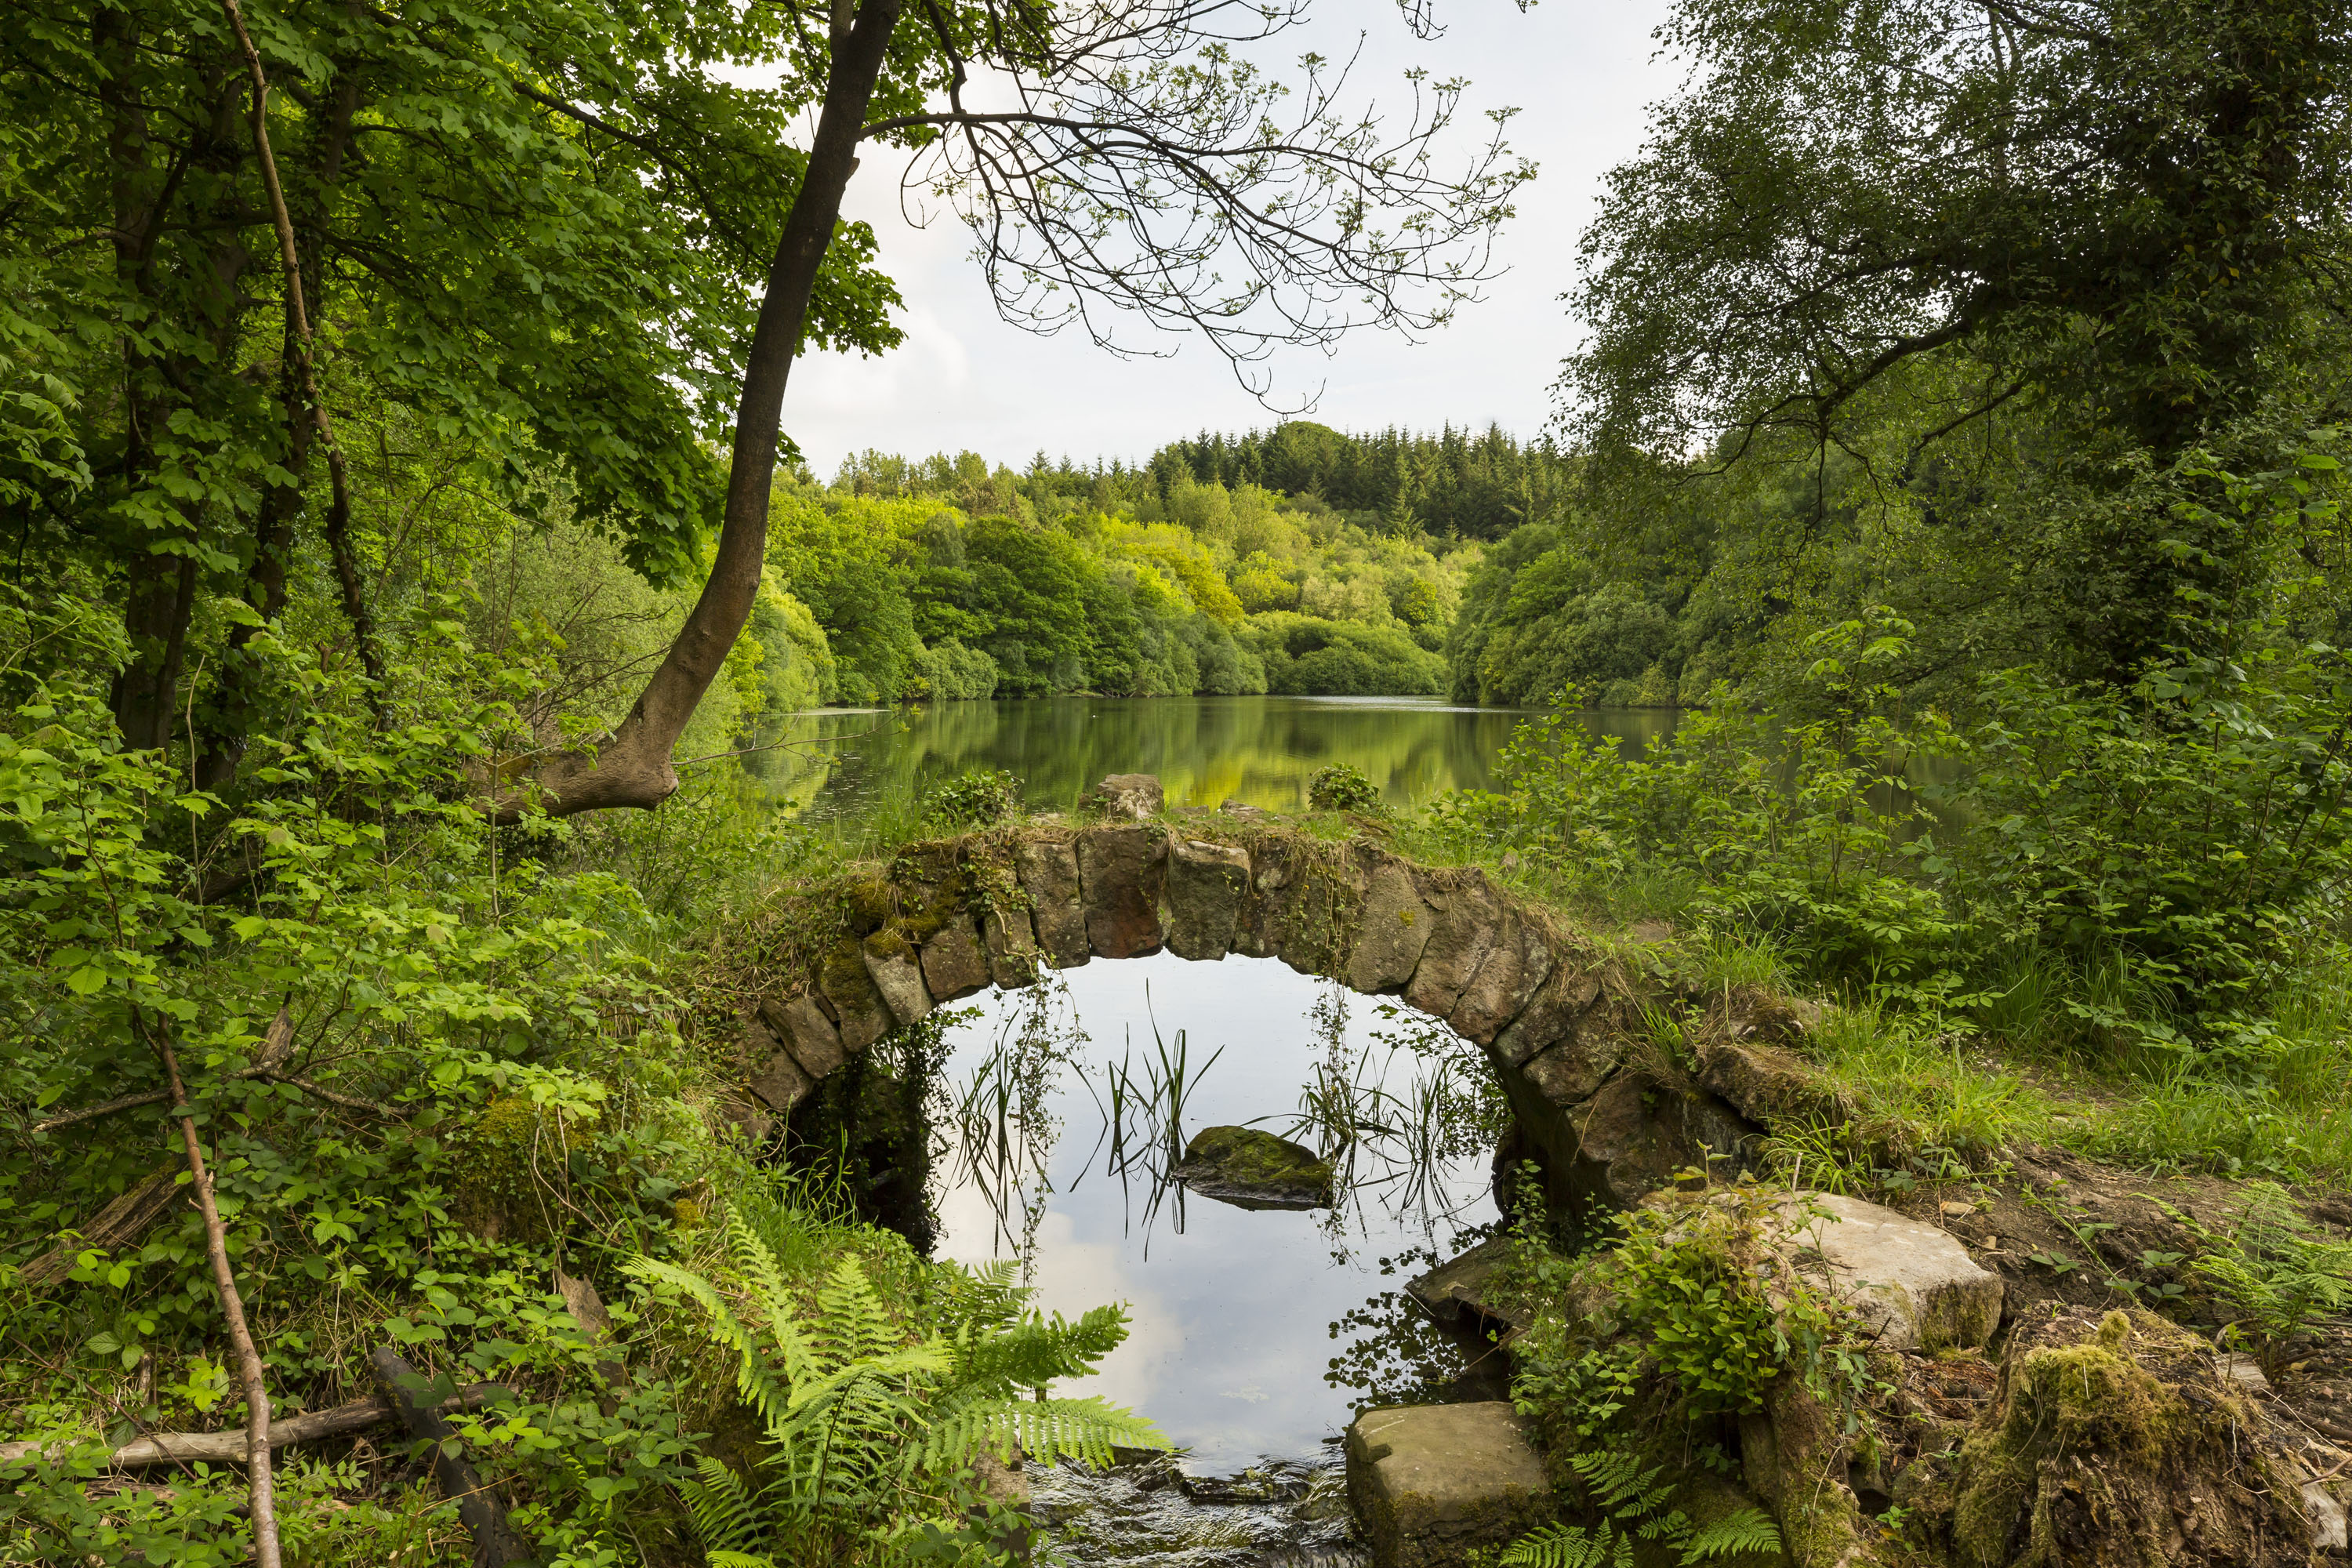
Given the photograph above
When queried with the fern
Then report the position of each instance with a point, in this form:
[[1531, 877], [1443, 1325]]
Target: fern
[[1634, 1501], [868, 1431], [720, 1506], [1571, 1546], [1743, 1529]]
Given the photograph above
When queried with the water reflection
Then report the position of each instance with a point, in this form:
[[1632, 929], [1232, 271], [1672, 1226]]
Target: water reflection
[[1206, 749], [1061, 1110]]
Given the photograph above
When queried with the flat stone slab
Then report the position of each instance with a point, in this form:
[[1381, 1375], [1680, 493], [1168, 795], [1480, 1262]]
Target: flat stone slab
[[1431, 1483], [1914, 1285], [1455, 1291], [1251, 1168]]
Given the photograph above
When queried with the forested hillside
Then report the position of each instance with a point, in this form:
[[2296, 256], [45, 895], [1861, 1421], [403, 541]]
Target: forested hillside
[[945, 578]]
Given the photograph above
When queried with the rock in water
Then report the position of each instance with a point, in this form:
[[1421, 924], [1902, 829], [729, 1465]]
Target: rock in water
[[1458, 1290], [1431, 1483], [1251, 1169]]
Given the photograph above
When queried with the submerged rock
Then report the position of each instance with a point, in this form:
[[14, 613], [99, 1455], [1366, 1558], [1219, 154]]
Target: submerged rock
[[1433, 1483], [1254, 1169]]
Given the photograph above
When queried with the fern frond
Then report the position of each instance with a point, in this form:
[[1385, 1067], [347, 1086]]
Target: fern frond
[[992, 1296], [1045, 1430], [755, 1378], [1620, 1483], [763, 1278], [851, 1321], [1569, 1546], [720, 1506], [738, 1560], [1040, 1351], [1746, 1529]]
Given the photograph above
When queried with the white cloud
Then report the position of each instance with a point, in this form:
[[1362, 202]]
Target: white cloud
[[1581, 74]]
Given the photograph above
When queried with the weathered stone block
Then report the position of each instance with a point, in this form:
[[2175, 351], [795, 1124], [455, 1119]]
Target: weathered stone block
[[1393, 927], [808, 1033], [849, 994], [1139, 798], [1325, 910], [1569, 1072], [1634, 1135], [891, 961], [1914, 1285], [1274, 867], [953, 963], [1206, 885], [775, 1077], [1517, 961], [1461, 1287], [1048, 869], [1431, 1483], [1767, 1084], [1120, 873], [1014, 960], [1469, 919], [1550, 1015]]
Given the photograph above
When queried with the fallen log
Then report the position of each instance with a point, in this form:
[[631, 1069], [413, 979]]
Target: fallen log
[[229, 1448], [478, 1508], [118, 1223]]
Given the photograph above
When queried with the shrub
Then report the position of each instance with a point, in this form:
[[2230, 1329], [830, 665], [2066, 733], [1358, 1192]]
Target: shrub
[[978, 797], [1341, 786]]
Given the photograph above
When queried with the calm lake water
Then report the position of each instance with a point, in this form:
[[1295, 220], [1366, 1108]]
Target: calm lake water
[[1257, 1332], [1206, 749]]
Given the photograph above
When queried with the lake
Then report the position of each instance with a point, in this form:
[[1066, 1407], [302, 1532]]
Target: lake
[[1206, 749]]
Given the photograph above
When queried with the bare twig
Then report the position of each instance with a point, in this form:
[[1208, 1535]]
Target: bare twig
[[259, 1479]]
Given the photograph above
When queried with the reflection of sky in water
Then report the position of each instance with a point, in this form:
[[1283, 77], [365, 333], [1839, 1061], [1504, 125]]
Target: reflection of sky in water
[[1233, 1313]]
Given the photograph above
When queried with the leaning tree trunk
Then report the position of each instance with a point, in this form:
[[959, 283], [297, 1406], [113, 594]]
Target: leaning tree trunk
[[633, 767]]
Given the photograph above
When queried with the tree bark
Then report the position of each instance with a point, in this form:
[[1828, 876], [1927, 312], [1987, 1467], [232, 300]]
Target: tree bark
[[632, 768], [232, 1446]]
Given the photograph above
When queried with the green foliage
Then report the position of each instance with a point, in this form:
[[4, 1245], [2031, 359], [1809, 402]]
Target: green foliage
[[1780, 827], [1633, 1503], [2273, 1268], [1474, 484], [843, 1386], [977, 797], [1342, 786]]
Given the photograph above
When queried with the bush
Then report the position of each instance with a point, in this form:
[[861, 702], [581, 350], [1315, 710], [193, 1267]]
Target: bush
[[978, 797], [1341, 786]]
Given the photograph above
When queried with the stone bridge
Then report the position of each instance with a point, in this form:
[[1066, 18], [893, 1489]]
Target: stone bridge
[[1606, 1114]]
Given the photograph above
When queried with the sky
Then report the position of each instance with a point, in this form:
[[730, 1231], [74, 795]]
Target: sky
[[1581, 73]]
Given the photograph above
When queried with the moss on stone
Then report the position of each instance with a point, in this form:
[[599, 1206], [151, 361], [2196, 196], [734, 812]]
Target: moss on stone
[[868, 905], [2099, 1439], [1251, 1155]]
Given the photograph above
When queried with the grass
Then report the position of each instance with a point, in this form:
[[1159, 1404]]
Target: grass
[[1933, 1092]]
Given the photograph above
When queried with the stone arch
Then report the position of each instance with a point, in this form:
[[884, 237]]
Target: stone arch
[[1561, 1022]]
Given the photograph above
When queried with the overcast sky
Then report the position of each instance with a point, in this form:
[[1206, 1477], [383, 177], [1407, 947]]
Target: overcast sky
[[1581, 73]]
